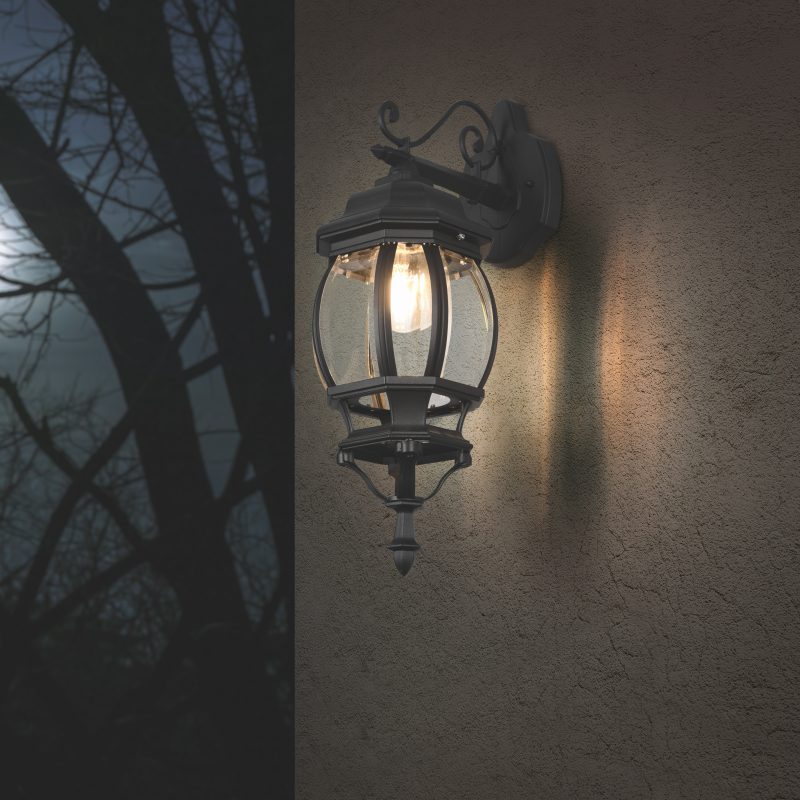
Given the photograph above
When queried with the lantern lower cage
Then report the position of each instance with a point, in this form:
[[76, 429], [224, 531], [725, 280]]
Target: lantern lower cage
[[404, 438]]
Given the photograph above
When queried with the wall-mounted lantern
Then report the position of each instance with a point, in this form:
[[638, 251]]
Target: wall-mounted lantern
[[405, 325]]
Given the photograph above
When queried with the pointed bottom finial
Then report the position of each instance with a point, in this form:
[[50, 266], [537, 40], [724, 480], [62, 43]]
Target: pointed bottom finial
[[404, 560], [404, 545]]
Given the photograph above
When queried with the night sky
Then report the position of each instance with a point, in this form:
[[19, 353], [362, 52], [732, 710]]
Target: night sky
[[75, 358]]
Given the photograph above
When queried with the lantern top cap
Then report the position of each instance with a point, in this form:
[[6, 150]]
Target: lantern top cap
[[403, 207]]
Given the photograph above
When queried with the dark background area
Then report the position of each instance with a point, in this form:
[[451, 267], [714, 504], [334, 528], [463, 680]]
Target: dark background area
[[146, 399]]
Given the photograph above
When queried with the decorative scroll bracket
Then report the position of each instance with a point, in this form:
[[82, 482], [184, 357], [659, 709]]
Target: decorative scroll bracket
[[390, 113], [528, 168], [512, 182]]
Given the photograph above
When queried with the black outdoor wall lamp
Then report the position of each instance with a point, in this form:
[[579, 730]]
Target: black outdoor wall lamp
[[405, 325]]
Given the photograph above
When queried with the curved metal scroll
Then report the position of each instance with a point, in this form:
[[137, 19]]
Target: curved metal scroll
[[389, 113], [351, 465], [459, 463]]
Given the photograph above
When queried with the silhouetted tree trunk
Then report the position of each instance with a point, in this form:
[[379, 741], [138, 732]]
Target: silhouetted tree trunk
[[190, 549], [265, 28], [130, 42]]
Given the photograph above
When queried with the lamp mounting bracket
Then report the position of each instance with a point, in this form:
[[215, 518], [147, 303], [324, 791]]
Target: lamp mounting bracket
[[464, 184], [389, 112], [511, 182]]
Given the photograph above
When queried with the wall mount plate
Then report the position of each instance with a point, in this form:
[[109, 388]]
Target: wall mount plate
[[528, 168]]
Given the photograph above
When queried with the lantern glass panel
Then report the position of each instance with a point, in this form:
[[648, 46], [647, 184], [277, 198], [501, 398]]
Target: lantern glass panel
[[347, 326], [345, 317], [471, 325]]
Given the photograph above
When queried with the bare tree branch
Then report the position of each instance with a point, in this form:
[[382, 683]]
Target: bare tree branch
[[96, 584], [62, 107], [36, 62], [160, 227], [239, 182], [82, 481]]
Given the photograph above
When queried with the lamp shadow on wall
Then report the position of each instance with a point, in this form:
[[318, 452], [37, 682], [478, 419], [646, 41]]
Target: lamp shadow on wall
[[562, 381]]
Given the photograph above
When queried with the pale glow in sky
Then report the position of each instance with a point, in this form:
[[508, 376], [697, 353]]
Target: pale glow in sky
[[75, 357], [6, 236]]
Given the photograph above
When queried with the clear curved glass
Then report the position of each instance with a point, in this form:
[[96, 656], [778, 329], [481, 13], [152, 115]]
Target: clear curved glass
[[345, 317], [346, 311], [471, 325]]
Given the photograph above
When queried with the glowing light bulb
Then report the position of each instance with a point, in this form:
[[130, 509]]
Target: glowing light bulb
[[410, 291]]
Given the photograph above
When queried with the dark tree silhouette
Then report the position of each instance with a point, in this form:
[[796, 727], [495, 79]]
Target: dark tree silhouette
[[145, 647]]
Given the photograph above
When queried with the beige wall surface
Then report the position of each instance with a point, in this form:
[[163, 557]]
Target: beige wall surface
[[606, 602]]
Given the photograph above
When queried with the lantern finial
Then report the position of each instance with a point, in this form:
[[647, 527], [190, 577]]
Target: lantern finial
[[404, 545]]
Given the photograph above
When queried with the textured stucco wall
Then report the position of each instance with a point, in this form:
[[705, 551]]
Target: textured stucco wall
[[606, 603]]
